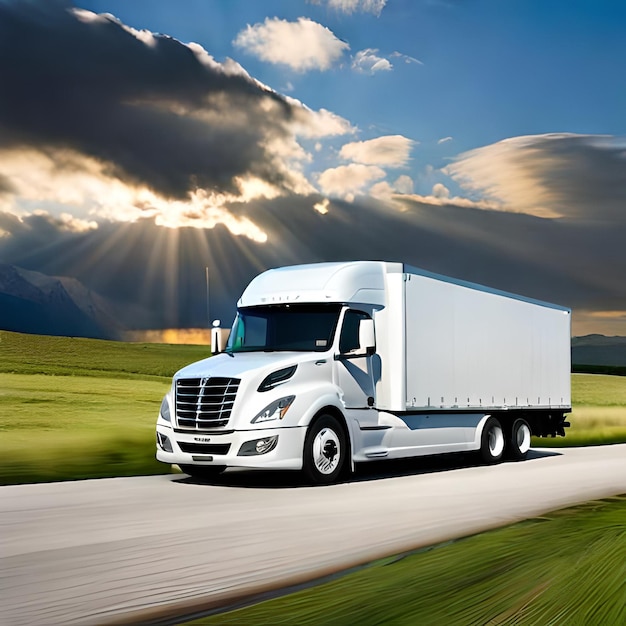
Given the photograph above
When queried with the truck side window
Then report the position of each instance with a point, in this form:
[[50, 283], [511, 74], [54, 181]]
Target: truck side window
[[349, 339], [251, 330], [256, 331]]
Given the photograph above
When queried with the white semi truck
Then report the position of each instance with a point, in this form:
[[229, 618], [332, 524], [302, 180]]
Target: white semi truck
[[332, 364]]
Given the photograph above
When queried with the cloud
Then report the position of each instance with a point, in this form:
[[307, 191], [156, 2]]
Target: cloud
[[406, 58], [357, 6], [347, 180], [315, 124], [400, 194], [383, 190], [387, 151], [554, 175], [368, 62], [111, 123], [302, 45], [444, 140], [578, 264]]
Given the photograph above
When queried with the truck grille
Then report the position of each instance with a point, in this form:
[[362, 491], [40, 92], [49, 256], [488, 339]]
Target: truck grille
[[203, 403]]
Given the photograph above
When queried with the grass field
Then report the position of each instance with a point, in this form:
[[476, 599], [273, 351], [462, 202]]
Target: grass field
[[81, 408], [69, 356], [568, 567], [68, 427], [598, 412]]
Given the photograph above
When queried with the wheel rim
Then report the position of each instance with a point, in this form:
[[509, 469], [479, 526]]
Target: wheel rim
[[326, 451], [496, 441], [522, 438]]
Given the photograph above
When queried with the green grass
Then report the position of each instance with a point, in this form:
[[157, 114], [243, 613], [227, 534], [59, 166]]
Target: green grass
[[67, 427], [82, 408], [565, 568], [69, 356], [598, 412]]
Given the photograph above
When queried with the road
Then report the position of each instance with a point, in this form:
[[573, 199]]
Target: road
[[127, 550]]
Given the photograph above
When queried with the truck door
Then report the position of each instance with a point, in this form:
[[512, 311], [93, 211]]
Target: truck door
[[354, 367]]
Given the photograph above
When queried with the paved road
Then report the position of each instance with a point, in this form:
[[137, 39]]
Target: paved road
[[128, 549]]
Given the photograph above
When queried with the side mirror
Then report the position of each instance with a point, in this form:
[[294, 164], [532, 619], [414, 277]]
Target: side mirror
[[219, 338], [367, 336]]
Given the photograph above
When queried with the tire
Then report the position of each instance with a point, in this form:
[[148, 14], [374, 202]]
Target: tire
[[518, 441], [203, 471], [325, 451], [492, 442]]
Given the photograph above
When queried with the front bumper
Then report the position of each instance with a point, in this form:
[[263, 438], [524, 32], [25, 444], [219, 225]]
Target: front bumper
[[193, 448]]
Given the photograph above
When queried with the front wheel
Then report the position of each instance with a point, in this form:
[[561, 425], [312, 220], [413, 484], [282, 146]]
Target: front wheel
[[518, 443], [492, 441], [324, 451]]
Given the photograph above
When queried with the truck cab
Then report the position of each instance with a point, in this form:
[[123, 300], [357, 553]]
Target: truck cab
[[300, 357]]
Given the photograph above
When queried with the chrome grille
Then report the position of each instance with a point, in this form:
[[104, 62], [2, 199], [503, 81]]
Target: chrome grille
[[203, 403]]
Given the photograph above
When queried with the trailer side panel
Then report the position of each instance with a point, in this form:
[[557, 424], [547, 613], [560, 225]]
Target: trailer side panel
[[469, 347]]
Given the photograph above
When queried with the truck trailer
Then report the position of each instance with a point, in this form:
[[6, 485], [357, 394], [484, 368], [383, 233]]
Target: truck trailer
[[332, 364]]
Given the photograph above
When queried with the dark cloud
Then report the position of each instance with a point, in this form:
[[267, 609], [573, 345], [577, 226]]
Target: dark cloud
[[585, 175], [162, 270], [6, 186], [154, 113]]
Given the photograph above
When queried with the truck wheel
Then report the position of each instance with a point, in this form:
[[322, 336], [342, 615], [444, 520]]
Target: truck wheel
[[324, 451], [518, 443], [203, 471], [492, 441]]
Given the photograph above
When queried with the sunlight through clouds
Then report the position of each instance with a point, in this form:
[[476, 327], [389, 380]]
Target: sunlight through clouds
[[180, 138], [67, 179]]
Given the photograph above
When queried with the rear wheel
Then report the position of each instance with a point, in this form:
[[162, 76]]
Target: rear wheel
[[492, 441], [518, 442], [324, 451], [203, 471]]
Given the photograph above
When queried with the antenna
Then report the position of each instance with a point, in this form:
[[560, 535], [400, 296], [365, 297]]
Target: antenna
[[208, 312]]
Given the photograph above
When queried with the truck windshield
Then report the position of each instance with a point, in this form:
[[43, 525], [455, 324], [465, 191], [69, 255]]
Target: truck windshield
[[286, 327]]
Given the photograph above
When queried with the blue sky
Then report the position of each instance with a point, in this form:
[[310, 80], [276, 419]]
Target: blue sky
[[489, 69], [483, 139]]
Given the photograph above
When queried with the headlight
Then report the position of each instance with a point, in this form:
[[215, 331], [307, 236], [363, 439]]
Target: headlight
[[274, 411], [277, 377], [165, 410]]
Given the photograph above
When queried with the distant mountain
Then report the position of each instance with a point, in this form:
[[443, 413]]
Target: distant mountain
[[32, 302], [599, 350]]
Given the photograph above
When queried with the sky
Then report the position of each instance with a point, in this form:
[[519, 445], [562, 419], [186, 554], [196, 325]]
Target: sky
[[143, 141]]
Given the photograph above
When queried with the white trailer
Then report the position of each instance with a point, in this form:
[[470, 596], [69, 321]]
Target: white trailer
[[332, 364]]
